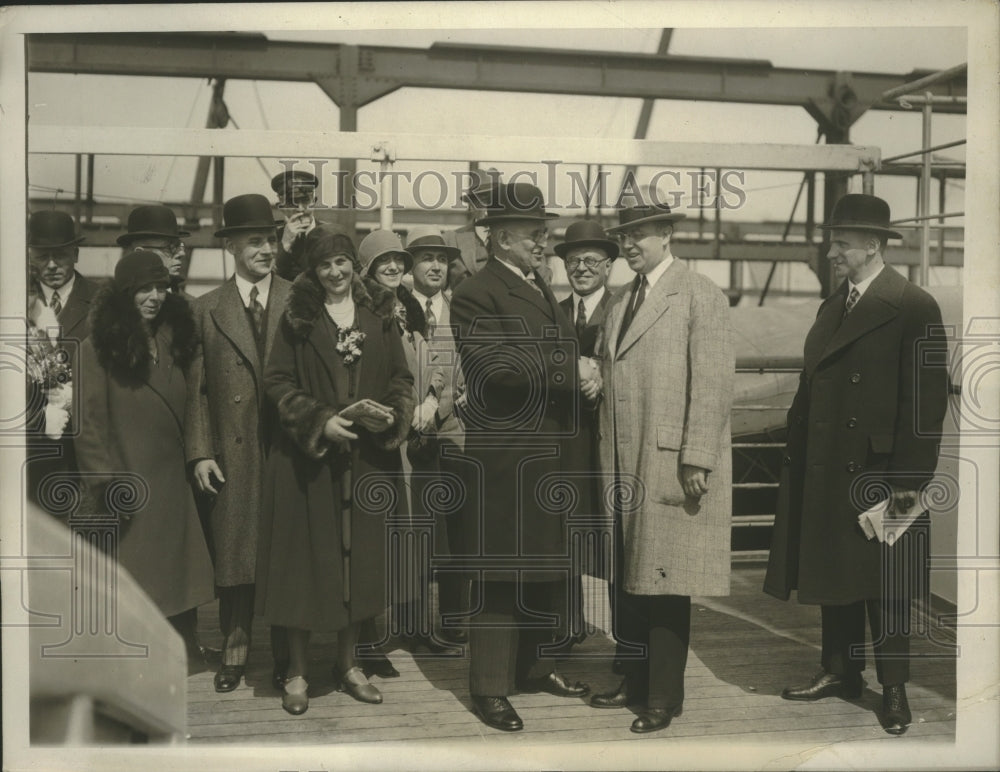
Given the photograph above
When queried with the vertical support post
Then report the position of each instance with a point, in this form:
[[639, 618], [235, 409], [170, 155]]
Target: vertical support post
[[385, 156], [77, 190], [868, 182], [348, 169], [942, 185], [925, 195], [90, 187], [834, 188]]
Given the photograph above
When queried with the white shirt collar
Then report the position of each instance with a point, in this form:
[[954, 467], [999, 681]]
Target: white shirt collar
[[436, 302], [863, 285], [517, 271], [590, 302], [654, 276], [64, 291], [263, 289]]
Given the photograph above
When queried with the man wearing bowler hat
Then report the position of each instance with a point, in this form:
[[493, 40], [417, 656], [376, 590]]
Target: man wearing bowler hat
[[471, 239], [55, 285], [519, 357], [588, 254], [154, 227], [296, 191], [229, 422], [864, 428], [667, 368]]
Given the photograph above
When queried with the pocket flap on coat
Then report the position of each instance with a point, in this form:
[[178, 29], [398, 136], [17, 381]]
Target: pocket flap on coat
[[881, 443], [668, 438]]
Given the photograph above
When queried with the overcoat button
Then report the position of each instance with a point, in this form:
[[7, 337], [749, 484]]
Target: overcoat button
[[237, 398], [851, 466], [856, 378], [852, 422], [786, 459], [239, 362], [799, 420]]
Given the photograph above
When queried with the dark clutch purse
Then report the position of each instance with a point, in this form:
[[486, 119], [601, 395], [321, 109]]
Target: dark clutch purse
[[421, 448]]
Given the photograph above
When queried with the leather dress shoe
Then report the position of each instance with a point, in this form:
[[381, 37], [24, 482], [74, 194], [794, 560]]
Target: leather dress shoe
[[355, 683], [553, 683], [498, 713], [295, 701], [380, 666], [622, 697], [654, 719], [896, 716], [826, 684], [228, 678], [567, 646], [454, 635], [279, 675]]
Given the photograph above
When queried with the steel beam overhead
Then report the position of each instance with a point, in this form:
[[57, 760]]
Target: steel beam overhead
[[383, 69]]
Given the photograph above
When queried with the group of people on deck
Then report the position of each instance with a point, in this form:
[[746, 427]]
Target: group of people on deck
[[337, 429]]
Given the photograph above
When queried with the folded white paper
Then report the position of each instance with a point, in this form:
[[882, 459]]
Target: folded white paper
[[877, 525]]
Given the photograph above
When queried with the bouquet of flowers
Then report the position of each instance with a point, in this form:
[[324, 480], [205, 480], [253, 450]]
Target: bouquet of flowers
[[349, 343], [49, 369]]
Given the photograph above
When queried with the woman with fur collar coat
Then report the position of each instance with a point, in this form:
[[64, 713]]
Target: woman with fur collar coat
[[331, 487], [131, 443]]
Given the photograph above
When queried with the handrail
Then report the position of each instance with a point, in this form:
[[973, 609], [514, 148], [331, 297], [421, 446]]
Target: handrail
[[922, 151], [922, 83]]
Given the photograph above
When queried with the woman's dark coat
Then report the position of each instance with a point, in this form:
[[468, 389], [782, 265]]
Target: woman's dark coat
[[301, 557], [131, 446]]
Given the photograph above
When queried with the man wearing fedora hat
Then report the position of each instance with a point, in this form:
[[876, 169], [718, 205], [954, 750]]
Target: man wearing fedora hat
[[588, 254], [519, 357], [154, 227], [53, 251], [667, 369], [296, 191], [471, 239], [864, 427], [228, 424], [437, 457]]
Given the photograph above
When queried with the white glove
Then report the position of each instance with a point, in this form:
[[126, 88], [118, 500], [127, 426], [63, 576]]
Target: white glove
[[56, 419]]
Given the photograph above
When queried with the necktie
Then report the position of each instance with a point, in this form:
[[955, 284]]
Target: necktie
[[852, 300], [257, 312], [55, 304], [639, 295], [581, 319], [530, 278], [430, 316]]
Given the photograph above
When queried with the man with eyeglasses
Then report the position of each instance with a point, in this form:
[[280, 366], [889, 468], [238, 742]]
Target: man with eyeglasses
[[519, 357], [154, 227], [55, 284], [588, 255], [668, 369]]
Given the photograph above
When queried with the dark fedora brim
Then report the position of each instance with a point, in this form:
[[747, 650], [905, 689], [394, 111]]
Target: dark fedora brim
[[127, 238], [862, 227], [508, 217], [568, 246], [248, 227], [672, 217]]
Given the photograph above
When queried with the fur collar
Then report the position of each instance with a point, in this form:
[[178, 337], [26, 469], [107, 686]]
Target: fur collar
[[120, 342], [416, 320], [306, 298]]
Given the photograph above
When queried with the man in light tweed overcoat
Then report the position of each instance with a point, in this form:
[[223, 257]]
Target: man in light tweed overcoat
[[667, 367]]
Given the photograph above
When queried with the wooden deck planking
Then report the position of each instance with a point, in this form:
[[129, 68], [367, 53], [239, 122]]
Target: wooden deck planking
[[744, 649]]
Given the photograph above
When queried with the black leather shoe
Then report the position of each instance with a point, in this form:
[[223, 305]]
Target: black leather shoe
[[228, 678], [553, 683], [295, 702], [621, 697], [498, 713], [454, 635], [278, 675], [654, 719], [381, 667], [896, 717], [826, 684]]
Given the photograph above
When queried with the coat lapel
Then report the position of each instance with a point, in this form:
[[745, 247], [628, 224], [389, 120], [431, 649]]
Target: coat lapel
[[520, 289], [878, 305], [230, 317], [277, 298], [654, 305], [77, 307]]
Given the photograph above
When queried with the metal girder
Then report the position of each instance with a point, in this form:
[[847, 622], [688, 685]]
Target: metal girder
[[110, 140], [382, 69]]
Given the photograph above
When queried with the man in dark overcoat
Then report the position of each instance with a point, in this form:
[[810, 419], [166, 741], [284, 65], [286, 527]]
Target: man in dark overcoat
[[520, 361], [588, 254], [53, 251], [229, 421], [864, 428]]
